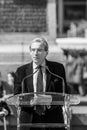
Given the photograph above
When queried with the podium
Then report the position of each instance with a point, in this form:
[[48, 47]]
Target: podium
[[47, 99]]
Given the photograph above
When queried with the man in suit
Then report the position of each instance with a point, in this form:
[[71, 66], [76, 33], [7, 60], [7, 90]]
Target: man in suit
[[54, 80]]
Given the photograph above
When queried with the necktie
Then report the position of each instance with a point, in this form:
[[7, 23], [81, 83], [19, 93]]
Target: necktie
[[40, 109], [40, 80]]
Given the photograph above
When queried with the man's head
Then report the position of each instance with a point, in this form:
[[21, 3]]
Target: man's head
[[39, 50]]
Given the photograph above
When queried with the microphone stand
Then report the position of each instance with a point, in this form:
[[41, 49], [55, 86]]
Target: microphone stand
[[63, 83], [3, 113], [4, 119], [66, 108], [28, 76]]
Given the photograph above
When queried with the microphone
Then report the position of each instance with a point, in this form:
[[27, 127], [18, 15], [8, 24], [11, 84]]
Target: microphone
[[4, 112], [28, 76], [57, 77]]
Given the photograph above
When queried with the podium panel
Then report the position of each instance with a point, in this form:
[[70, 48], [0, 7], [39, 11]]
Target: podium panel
[[43, 99]]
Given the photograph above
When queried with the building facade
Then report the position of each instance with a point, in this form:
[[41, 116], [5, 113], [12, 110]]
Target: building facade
[[69, 11], [49, 17]]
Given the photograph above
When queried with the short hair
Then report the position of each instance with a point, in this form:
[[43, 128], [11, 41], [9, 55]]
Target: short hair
[[41, 40]]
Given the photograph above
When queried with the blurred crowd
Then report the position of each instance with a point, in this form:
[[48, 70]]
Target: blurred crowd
[[7, 87], [77, 29], [76, 70]]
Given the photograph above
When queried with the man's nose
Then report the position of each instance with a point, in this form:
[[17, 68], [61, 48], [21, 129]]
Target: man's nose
[[36, 52]]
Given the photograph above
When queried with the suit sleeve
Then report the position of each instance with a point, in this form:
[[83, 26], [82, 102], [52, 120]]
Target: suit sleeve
[[65, 82], [18, 82], [61, 84], [60, 71]]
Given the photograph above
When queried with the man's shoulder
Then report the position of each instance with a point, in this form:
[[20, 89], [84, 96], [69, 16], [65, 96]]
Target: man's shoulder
[[24, 66], [54, 63]]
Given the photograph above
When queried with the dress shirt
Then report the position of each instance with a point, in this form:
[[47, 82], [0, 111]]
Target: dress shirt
[[35, 76]]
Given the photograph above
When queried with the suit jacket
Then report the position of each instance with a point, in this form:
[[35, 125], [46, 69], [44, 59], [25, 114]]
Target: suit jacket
[[53, 84]]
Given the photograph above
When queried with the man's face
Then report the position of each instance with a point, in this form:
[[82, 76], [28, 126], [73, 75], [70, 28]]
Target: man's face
[[38, 53]]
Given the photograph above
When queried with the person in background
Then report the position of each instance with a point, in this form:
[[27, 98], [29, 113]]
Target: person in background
[[1, 86], [72, 32], [8, 85], [4, 108], [10, 80], [51, 79], [75, 66]]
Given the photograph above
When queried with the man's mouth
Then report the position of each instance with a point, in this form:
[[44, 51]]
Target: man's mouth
[[35, 57]]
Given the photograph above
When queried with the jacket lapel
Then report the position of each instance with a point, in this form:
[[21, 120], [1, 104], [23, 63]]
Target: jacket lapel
[[29, 71], [48, 75]]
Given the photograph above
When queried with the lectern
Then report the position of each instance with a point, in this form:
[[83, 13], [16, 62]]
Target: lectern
[[47, 98]]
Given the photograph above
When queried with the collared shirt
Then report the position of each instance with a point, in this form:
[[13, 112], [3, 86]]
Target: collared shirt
[[35, 76]]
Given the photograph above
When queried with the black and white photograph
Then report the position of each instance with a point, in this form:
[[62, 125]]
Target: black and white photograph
[[43, 64]]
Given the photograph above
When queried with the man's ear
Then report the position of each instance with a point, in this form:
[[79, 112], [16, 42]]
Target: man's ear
[[30, 52], [46, 53]]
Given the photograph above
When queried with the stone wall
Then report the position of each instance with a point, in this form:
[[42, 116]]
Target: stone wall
[[23, 16]]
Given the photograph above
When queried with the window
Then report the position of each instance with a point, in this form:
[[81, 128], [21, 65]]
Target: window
[[74, 10]]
